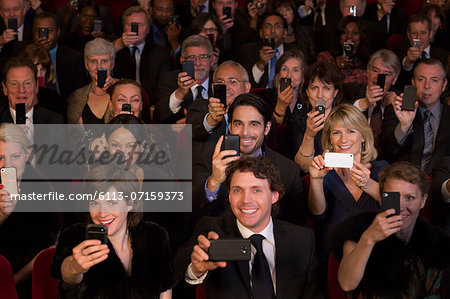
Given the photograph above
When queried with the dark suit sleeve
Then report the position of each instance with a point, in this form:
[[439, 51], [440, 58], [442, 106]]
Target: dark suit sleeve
[[167, 84], [312, 286], [195, 116], [389, 144]]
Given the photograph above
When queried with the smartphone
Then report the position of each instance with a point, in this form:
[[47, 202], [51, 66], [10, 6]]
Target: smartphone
[[126, 107], [320, 106], [416, 43], [175, 19], [231, 142], [232, 250], [227, 12], [9, 179], [98, 25], [20, 114], [259, 5], [97, 232], [188, 67], [339, 160], [12, 24], [220, 92], [348, 50], [211, 39], [43, 32], [381, 80], [101, 77], [352, 10], [390, 200], [269, 41], [135, 28], [284, 83], [409, 98]]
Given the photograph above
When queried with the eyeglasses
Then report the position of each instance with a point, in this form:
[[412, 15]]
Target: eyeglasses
[[27, 84], [230, 82], [201, 57], [209, 30], [268, 26]]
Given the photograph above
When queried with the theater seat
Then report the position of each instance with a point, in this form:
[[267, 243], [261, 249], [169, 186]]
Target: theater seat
[[7, 286], [44, 286], [394, 40], [333, 288], [200, 294]]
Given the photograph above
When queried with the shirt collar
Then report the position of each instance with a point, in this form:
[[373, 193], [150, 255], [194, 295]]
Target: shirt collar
[[140, 47], [267, 232], [435, 110], [53, 52]]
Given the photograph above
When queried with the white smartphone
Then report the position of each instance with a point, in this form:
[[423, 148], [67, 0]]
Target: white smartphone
[[338, 160], [9, 179]]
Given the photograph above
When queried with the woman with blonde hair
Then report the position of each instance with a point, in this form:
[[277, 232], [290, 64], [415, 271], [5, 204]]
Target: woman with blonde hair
[[335, 193]]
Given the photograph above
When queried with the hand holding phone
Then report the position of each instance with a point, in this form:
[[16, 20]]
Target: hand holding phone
[[284, 83], [188, 67], [227, 12], [43, 32], [97, 232], [12, 24], [269, 41], [390, 200], [220, 92], [230, 250], [175, 20], [409, 98], [381, 80], [126, 107], [231, 142], [135, 28], [20, 114]]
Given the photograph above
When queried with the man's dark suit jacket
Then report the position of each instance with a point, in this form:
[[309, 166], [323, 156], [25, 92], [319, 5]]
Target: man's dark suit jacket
[[154, 62], [168, 83], [292, 207], [411, 150], [250, 55], [397, 23], [41, 115], [404, 78], [70, 70], [295, 262], [441, 209]]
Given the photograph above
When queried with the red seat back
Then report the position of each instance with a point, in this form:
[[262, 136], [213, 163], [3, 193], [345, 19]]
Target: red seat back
[[7, 286], [333, 288], [44, 286]]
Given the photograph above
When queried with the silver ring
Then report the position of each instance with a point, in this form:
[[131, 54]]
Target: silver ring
[[363, 181]]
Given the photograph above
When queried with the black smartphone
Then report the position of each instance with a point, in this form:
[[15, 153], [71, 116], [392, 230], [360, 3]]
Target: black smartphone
[[231, 250], [231, 142], [269, 41], [135, 28], [409, 98], [227, 12], [284, 83], [211, 39], [101, 77], [97, 232], [188, 67], [175, 19], [43, 32], [348, 50], [20, 114], [381, 80], [320, 106], [126, 107], [12, 24], [220, 92], [390, 200]]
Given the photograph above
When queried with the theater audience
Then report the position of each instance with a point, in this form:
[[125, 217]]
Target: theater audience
[[136, 260], [89, 104], [439, 26], [177, 90], [336, 193], [393, 254], [350, 51], [67, 63], [419, 136], [24, 233], [322, 82]]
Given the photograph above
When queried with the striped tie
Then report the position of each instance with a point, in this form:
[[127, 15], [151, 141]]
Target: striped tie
[[428, 143]]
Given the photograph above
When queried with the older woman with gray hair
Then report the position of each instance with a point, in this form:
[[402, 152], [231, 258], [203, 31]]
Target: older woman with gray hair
[[89, 104]]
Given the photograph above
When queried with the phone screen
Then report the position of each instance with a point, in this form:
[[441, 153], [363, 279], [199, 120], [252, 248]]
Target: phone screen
[[409, 98], [188, 67], [101, 77], [220, 92]]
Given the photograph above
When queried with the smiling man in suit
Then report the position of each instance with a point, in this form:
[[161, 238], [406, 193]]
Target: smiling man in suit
[[283, 259]]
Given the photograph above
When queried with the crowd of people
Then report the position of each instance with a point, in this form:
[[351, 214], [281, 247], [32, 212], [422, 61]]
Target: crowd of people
[[247, 102]]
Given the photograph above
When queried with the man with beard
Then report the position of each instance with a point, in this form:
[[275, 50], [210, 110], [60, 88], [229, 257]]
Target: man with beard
[[177, 90]]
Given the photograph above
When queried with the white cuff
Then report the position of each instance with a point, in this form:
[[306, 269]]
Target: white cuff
[[190, 277], [444, 191], [257, 74], [174, 103], [304, 11], [207, 126]]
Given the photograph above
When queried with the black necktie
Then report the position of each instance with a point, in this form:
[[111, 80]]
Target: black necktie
[[318, 23], [428, 140], [424, 55], [262, 286], [188, 101], [133, 62]]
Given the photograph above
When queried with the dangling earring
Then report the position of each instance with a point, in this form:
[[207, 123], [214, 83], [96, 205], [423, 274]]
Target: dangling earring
[[331, 148], [363, 146]]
